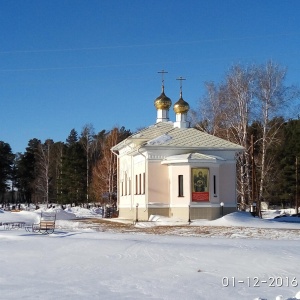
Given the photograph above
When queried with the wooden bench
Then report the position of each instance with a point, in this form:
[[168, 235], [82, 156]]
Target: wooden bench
[[46, 224]]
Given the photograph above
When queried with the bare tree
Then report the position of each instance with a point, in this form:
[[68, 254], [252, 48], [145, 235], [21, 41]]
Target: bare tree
[[271, 95], [238, 98], [248, 94], [226, 112], [211, 112], [105, 170], [43, 179]]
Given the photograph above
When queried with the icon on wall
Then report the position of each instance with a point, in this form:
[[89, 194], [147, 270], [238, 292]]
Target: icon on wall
[[200, 184]]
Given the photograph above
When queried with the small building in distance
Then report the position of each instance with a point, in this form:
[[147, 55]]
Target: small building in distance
[[172, 170]]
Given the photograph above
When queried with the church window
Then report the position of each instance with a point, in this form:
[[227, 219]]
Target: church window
[[136, 184], [140, 183], [180, 185], [129, 188], [215, 187], [144, 183], [126, 183]]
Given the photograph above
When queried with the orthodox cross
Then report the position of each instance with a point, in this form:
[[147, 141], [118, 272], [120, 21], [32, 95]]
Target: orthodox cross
[[162, 72], [180, 79]]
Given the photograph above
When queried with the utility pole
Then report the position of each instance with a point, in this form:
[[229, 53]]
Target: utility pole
[[296, 199], [253, 169], [256, 205]]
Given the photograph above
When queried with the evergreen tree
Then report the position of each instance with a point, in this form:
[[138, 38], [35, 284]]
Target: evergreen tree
[[73, 173], [72, 138], [6, 167], [27, 171], [283, 184]]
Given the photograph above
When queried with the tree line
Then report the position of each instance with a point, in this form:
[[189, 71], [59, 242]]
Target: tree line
[[249, 107], [80, 170]]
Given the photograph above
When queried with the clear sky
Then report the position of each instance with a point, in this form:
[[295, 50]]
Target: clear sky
[[64, 64]]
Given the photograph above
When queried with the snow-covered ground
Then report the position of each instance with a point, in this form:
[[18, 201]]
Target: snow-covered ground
[[235, 257]]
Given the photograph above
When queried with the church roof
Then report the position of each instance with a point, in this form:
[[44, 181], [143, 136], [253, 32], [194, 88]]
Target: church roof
[[191, 157], [163, 134]]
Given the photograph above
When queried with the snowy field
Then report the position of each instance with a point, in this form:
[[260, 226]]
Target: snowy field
[[235, 257]]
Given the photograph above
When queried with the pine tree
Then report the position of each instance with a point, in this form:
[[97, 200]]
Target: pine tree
[[27, 171], [283, 184], [73, 173], [6, 167]]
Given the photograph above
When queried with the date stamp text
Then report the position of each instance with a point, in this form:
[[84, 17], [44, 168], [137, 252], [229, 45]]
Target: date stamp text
[[257, 282]]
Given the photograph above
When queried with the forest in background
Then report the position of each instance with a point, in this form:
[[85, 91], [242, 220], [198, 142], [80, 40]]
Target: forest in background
[[250, 107], [80, 170], [254, 108]]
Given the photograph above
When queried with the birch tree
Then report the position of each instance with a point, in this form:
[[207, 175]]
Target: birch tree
[[248, 95], [226, 113], [272, 95], [239, 98], [209, 117], [43, 161]]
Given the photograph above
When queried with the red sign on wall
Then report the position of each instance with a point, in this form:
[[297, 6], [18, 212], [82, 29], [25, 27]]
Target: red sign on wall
[[200, 196]]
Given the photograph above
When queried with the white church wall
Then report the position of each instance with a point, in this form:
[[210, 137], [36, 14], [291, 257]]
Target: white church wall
[[228, 155], [214, 178], [125, 182], [175, 199], [228, 184], [158, 183]]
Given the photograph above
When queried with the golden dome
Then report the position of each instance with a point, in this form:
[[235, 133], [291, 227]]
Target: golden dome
[[181, 106], [162, 101]]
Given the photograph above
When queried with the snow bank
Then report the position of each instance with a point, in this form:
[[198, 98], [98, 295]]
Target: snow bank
[[237, 219], [60, 213], [245, 219], [22, 216], [81, 212]]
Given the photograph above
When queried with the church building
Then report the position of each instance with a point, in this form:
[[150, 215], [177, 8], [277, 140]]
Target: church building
[[172, 170]]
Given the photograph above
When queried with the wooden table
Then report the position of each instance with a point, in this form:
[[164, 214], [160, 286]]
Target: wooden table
[[13, 225]]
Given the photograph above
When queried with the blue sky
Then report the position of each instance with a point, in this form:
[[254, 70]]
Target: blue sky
[[64, 64]]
